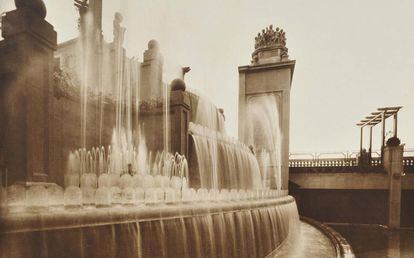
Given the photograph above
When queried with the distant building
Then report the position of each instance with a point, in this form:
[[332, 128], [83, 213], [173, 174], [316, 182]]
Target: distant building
[[104, 67]]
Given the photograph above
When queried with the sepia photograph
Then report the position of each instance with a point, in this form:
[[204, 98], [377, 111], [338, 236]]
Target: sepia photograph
[[204, 129]]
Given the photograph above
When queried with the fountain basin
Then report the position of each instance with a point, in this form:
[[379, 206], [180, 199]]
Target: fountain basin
[[214, 229]]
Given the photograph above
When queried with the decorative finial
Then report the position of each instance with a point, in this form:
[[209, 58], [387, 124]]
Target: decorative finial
[[178, 85], [37, 6], [270, 38], [153, 44], [153, 51]]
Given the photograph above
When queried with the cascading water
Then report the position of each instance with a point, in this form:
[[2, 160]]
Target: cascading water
[[247, 228], [206, 113], [121, 99], [105, 74], [166, 93], [85, 48], [224, 162], [265, 135]]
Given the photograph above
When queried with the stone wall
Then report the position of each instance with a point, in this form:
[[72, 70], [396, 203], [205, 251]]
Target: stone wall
[[151, 120], [352, 205], [340, 180], [350, 197], [407, 208], [366, 180], [343, 205], [67, 124]]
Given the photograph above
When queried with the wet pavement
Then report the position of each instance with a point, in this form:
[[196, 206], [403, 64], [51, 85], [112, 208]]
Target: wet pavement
[[310, 242]]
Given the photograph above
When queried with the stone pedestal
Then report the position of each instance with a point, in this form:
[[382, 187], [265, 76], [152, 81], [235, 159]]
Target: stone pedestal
[[262, 79], [180, 119], [152, 122], [394, 167], [26, 92]]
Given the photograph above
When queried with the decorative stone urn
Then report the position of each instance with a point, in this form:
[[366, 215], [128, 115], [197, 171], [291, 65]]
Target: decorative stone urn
[[37, 6]]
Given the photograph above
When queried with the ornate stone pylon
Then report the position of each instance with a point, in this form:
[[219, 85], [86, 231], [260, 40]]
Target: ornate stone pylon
[[270, 74], [26, 92]]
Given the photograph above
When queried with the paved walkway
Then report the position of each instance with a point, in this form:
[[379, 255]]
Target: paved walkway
[[310, 242]]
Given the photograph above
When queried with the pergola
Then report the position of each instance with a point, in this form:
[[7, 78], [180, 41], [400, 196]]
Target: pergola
[[378, 117]]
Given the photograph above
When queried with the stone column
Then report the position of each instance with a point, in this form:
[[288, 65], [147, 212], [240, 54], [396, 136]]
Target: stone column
[[26, 91], [394, 245], [394, 167]]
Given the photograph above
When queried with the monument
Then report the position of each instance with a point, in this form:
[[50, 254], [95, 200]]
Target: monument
[[264, 103]]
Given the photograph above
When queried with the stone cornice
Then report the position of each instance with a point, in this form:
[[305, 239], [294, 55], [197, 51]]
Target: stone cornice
[[269, 66]]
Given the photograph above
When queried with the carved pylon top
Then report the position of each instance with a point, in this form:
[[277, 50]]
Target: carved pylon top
[[273, 40], [270, 37]]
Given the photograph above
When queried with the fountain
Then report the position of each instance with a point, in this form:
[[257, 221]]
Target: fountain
[[147, 169]]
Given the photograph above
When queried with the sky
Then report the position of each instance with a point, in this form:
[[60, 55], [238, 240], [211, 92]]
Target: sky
[[351, 56]]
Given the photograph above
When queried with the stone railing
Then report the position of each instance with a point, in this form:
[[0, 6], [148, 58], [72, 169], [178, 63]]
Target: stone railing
[[408, 163], [342, 161], [322, 162]]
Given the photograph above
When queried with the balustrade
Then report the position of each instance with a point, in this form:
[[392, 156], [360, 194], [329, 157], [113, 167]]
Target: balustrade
[[345, 160]]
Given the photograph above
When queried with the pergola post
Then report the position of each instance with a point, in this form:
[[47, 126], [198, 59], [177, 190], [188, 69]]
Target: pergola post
[[370, 142], [361, 140], [395, 124], [382, 134]]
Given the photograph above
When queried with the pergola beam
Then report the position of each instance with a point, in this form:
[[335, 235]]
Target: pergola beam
[[389, 108], [375, 118]]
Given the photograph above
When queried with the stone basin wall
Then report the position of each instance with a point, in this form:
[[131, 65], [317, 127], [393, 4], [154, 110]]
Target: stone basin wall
[[219, 229]]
